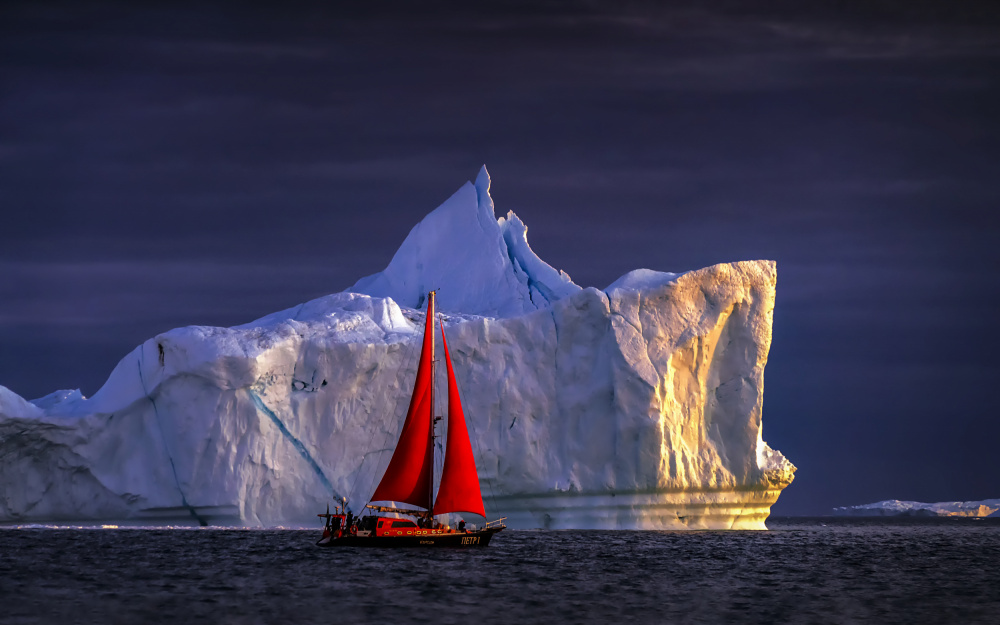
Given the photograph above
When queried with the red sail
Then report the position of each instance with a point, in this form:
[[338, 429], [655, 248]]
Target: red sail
[[459, 490], [408, 477]]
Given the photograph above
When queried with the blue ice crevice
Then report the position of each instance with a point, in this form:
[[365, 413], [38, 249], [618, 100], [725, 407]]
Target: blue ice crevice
[[296, 443], [173, 467]]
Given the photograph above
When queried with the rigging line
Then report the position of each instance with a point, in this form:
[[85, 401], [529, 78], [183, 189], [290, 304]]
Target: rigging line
[[407, 357], [475, 437], [378, 456], [364, 457], [378, 424]]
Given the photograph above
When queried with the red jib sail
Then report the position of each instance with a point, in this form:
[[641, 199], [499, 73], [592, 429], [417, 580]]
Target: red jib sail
[[408, 477], [459, 490]]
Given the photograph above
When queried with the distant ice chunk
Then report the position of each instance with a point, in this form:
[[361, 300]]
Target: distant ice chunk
[[895, 507]]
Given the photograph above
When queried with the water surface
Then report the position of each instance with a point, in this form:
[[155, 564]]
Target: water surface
[[803, 571]]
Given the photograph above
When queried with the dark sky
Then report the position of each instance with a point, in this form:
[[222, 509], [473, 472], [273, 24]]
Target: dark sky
[[168, 166]]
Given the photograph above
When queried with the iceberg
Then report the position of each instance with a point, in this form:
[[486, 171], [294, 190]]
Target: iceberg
[[895, 507], [635, 406]]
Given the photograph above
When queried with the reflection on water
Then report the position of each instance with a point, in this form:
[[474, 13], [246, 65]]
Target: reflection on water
[[803, 571]]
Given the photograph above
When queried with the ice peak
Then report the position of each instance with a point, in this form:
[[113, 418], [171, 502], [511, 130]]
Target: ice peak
[[480, 265], [483, 189]]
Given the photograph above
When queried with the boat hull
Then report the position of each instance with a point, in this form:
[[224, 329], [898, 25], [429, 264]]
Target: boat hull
[[460, 540]]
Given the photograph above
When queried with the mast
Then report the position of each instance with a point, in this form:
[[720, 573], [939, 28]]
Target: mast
[[430, 436], [410, 473]]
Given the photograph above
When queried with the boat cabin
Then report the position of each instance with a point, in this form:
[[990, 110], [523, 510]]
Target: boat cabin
[[389, 526]]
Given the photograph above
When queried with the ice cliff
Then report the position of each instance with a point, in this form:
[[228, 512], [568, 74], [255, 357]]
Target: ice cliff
[[636, 406]]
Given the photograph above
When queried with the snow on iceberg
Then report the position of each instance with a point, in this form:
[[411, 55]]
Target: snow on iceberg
[[895, 507], [638, 406]]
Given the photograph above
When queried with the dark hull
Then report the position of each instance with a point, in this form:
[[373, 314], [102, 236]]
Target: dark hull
[[460, 540]]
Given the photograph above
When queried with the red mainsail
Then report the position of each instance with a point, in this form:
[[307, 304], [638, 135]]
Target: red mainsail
[[408, 477], [459, 490]]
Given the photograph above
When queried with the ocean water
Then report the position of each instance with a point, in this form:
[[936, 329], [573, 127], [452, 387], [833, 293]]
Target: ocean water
[[802, 571]]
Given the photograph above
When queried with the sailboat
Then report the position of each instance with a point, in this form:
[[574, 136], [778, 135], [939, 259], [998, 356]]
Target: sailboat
[[409, 477]]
